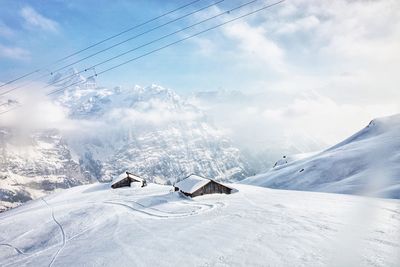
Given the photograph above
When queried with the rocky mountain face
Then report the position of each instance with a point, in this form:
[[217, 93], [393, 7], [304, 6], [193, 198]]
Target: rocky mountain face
[[149, 131], [35, 164], [152, 132]]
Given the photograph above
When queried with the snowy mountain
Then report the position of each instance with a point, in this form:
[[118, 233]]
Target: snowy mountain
[[366, 163], [149, 131], [32, 166], [153, 226]]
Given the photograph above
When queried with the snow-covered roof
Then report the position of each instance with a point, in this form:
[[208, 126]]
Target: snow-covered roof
[[124, 175], [192, 183]]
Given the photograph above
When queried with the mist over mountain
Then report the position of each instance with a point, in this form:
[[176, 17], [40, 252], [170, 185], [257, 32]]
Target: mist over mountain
[[150, 131], [32, 166], [261, 139], [92, 133]]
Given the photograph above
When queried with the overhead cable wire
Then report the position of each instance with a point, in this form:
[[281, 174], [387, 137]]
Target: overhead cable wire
[[171, 44], [138, 35], [161, 48], [108, 48], [10, 109], [20, 77], [153, 41], [101, 42]]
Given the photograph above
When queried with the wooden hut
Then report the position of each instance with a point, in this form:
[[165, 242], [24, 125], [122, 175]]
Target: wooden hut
[[126, 179], [195, 185]]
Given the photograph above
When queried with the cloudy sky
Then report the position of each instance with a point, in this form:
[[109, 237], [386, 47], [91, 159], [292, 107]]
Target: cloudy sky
[[319, 68]]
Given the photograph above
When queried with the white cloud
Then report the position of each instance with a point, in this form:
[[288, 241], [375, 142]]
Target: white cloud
[[282, 122], [36, 20], [345, 50], [14, 53], [323, 118], [5, 31], [302, 24], [153, 112], [153, 117], [36, 111], [255, 45], [205, 46], [287, 9]]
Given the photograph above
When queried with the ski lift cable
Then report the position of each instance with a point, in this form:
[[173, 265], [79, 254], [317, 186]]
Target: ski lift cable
[[152, 42], [137, 35], [100, 42], [10, 109], [23, 85], [163, 47], [106, 49], [19, 78], [29, 82], [171, 44]]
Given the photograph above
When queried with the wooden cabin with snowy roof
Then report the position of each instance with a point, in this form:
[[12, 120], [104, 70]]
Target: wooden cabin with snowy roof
[[127, 179], [195, 185]]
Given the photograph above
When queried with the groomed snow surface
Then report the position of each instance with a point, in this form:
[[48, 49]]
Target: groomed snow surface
[[94, 225]]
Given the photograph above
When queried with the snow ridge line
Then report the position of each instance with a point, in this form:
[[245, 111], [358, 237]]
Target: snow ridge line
[[62, 233]]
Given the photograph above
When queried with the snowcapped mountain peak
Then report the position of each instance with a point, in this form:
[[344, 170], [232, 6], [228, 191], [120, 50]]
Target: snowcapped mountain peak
[[69, 77], [85, 101], [380, 126], [156, 92], [388, 123]]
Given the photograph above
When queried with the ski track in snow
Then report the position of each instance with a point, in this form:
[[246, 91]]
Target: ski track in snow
[[202, 207], [13, 247], [115, 237], [162, 214], [123, 244], [62, 233], [29, 255], [147, 212]]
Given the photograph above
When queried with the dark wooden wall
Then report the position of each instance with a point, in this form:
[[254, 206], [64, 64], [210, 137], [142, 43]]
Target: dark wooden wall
[[212, 188], [122, 183]]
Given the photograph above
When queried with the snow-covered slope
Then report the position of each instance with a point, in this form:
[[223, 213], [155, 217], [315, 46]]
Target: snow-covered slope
[[366, 163], [93, 225]]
